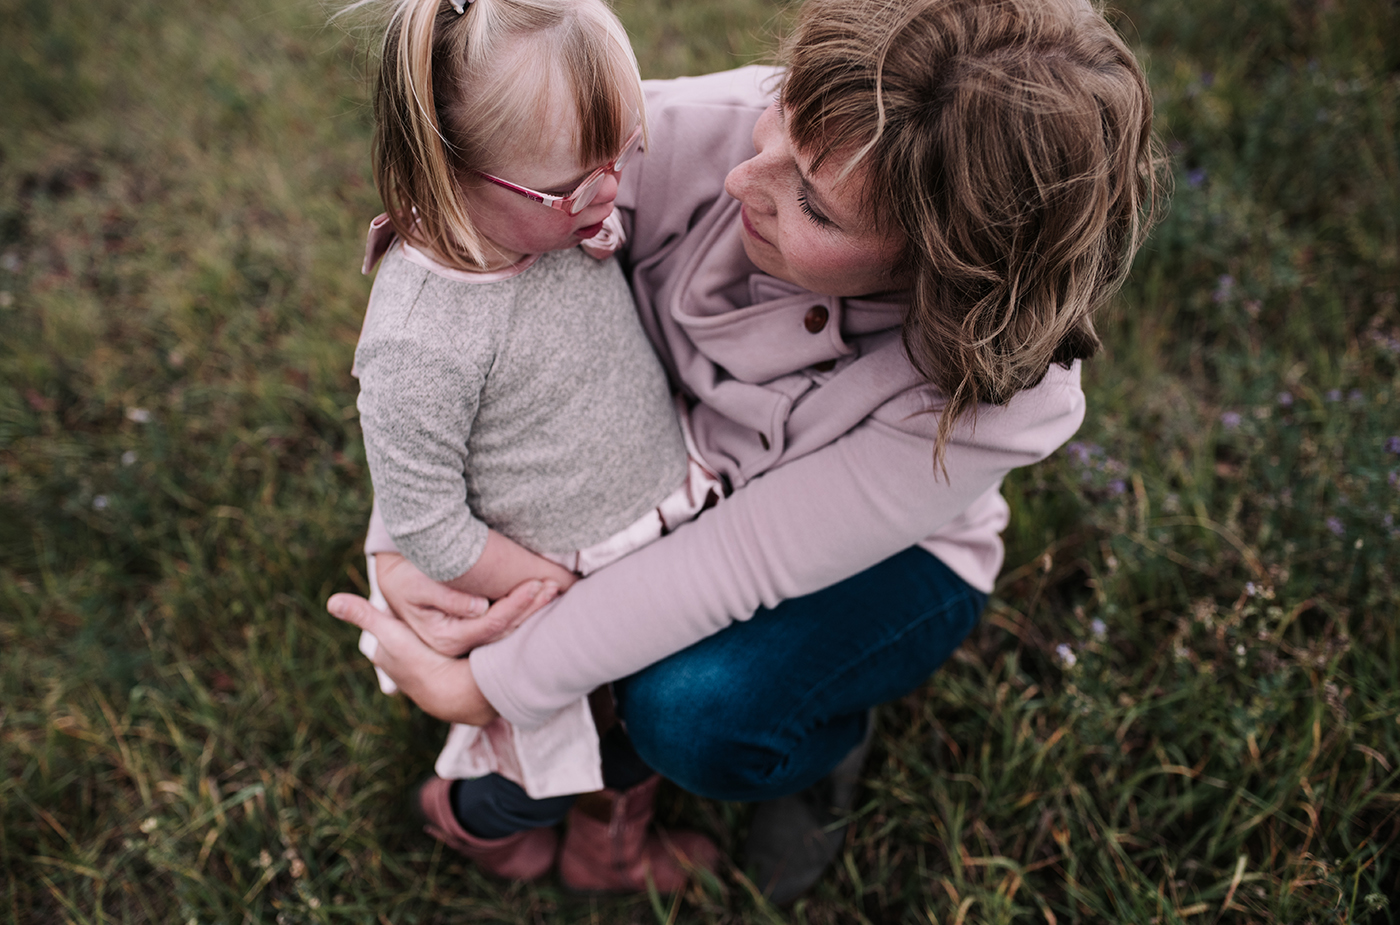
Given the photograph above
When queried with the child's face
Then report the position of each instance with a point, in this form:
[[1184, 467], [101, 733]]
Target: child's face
[[516, 225]]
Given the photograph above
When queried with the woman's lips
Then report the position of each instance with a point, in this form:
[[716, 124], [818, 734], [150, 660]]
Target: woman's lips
[[748, 226]]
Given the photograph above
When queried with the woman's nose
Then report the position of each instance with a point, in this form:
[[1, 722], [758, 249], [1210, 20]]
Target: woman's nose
[[748, 183], [751, 181]]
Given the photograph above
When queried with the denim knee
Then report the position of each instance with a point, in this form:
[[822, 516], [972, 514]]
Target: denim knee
[[692, 727]]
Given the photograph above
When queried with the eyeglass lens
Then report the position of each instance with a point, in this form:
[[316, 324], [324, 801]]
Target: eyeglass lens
[[589, 191]]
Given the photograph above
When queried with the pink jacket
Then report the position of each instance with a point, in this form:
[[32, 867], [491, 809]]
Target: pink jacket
[[805, 403]]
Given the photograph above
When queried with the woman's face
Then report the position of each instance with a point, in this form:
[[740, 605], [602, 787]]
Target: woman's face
[[809, 227]]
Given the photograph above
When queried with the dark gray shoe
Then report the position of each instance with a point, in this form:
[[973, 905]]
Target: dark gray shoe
[[793, 839]]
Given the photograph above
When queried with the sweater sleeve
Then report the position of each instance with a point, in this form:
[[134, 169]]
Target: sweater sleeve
[[796, 529], [417, 404]]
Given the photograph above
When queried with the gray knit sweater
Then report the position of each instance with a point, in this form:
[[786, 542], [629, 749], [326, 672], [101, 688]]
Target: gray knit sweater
[[533, 405]]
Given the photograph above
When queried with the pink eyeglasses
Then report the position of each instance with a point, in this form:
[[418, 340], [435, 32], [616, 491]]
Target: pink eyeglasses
[[585, 192]]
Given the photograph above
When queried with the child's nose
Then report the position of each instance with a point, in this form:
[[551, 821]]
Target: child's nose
[[607, 190]]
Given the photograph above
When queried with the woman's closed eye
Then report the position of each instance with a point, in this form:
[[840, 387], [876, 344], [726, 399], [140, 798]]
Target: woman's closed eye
[[811, 211]]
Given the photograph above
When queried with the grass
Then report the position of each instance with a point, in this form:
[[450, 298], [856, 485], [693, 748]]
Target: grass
[[1181, 707]]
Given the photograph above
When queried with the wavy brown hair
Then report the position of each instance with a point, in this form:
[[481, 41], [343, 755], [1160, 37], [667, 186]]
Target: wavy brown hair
[[1010, 141], [453, 88]]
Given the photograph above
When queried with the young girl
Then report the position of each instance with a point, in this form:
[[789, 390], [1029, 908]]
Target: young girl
[[516, 421]]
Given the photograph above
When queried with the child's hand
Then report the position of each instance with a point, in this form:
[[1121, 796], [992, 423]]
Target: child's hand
[[443, 686], [451, 622]]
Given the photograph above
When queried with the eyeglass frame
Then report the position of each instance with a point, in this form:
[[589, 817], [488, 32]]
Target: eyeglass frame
[[571, 203]]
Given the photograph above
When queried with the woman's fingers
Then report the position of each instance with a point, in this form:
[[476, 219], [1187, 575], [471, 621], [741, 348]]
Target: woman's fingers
[[456, 637], [386, 628], [513, 609], [442, 686]]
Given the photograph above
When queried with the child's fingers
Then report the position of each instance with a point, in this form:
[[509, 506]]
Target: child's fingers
[[455, 603]]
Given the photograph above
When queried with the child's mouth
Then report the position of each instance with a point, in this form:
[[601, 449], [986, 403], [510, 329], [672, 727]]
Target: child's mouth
[[589, 231]]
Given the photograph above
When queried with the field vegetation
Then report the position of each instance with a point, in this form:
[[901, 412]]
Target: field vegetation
[[1182, 706]]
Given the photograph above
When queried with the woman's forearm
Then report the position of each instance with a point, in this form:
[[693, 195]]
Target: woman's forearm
[[794, 530]]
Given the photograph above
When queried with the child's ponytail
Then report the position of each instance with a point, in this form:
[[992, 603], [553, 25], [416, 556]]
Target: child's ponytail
[[416, 168]]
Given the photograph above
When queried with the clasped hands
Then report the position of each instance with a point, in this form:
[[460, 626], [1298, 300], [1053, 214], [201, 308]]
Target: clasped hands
[[430, 627]]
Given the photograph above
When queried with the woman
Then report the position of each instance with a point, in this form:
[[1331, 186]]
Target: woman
[[881, 316]]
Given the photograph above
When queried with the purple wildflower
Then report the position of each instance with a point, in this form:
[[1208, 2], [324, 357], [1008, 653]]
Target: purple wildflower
[[1393, 479], [1392, 445], [1285, 399], [1196, 177], [1230, 420], [1334, 394], [1117, 487], [1356, 396], [1223, 287], [1335, 525], [1083, 454]]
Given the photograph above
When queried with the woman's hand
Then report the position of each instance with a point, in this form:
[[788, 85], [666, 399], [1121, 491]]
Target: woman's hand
[[444, 687], [451, 622]]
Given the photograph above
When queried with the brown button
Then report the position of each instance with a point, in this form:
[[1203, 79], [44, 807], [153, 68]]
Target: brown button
[[825, 366], [763, 439], [816, 319]]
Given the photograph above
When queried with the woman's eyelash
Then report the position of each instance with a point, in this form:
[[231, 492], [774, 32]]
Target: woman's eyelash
[[810, 212]]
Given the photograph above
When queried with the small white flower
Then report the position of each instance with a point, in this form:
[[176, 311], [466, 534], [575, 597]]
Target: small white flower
[[138, 415], [129, 458], [149, 824], [1250, 588], [1066, 655], [100, 503], [1239, 650], [264, 858], [1099, 629]]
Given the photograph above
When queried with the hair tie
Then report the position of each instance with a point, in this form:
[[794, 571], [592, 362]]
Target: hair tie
[[460, 5]]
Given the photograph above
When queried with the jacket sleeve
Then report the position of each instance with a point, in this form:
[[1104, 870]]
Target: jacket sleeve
[[793, 530]]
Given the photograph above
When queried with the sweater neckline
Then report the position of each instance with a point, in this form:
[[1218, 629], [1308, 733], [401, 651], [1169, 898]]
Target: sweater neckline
[[423, 259]]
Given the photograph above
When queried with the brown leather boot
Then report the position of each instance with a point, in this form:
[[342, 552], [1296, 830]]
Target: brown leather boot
[[526, 855], [608, 847]]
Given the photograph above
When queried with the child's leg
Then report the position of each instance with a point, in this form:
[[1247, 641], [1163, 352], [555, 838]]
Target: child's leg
[[493, 807]]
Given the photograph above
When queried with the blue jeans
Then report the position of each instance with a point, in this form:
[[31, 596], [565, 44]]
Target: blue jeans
[[768, 706]]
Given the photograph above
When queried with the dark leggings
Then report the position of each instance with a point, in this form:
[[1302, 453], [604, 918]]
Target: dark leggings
[[493, 807]]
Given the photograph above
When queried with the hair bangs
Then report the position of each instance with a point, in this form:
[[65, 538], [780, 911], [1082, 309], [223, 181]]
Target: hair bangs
[[607, 89]]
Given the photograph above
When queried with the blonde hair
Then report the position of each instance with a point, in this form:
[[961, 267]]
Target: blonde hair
[[1010, 142], [445, 102]]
